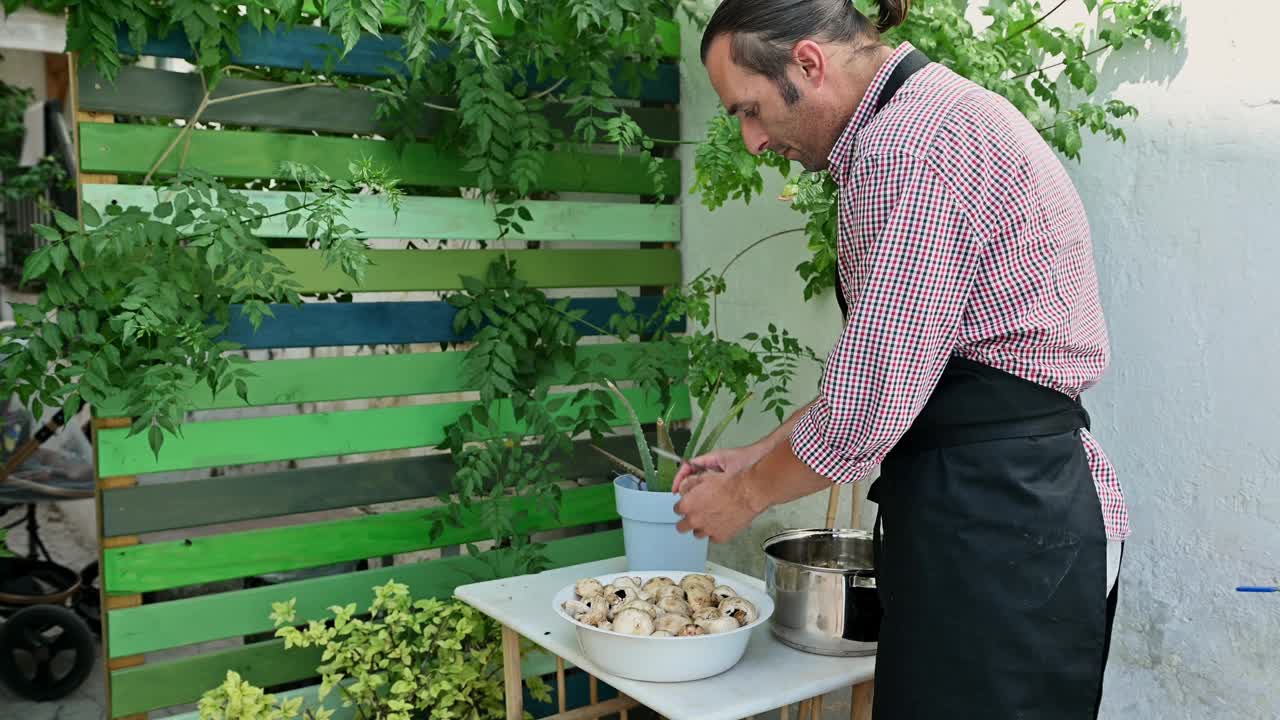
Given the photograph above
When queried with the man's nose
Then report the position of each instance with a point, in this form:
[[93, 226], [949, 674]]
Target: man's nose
[[754, 136]]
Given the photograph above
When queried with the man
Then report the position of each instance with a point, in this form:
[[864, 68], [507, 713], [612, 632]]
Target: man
[[972, 326]]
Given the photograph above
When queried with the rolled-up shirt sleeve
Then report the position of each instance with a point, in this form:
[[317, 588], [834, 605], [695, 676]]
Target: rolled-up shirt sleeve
[[908, 258]]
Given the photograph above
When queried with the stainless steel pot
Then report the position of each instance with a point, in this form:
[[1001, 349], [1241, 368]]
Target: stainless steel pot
[[823, 586]]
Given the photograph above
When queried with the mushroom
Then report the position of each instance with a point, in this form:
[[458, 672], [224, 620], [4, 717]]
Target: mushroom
[[722, 624], [651, 586], [634, 622], [595, 617], [586, 587], [740, 609], [620, 594], [576, 607], [672, 623], [666, 591], [675, 606], [661, 633], [724, 592], [691, 630], [699, 598], [625, 581], [707, 613], [705, 581], [643, 606]]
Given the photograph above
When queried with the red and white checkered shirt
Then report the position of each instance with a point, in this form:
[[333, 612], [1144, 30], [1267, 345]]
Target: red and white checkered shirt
[[959, 233]]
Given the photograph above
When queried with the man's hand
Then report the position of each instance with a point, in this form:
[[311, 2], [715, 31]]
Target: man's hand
[[730, 461], [719, 505], [716, 505]]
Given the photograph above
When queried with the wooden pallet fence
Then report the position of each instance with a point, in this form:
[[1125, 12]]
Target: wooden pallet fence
[[164, 544]]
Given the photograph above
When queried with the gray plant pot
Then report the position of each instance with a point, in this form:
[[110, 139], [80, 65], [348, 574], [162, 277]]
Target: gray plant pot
[[649, 530]]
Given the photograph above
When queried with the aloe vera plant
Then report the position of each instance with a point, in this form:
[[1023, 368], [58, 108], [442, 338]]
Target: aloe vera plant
[[659, 473], [710, 366]]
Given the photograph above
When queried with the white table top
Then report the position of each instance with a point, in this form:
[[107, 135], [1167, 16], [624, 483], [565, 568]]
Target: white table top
[[769, 676]]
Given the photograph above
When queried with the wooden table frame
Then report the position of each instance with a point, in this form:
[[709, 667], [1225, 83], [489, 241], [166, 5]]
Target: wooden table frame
[[811, 709]]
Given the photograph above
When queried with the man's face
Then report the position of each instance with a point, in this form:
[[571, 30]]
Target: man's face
[[797, 131]]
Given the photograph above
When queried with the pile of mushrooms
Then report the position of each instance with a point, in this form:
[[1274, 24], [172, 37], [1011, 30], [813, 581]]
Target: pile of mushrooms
[[660, 607]]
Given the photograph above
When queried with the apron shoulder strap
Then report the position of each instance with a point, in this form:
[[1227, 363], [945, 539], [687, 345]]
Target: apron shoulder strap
[[914, 62]]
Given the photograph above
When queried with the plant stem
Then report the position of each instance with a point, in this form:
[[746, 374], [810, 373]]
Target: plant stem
[[259, 218], [1037, 21], [584, 321], [1063, 62], [548, 91], [715, 298]]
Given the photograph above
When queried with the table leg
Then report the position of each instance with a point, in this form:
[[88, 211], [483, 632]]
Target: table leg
[[560, 698], [594, 688], [511, 673], [860, 702]]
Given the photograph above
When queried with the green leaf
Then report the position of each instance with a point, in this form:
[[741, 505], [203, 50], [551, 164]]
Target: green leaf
[[91, 217], [626, 302], [155, 437], [59, 254], [163, 210], [47, 233], [37, 263], [65, 221]]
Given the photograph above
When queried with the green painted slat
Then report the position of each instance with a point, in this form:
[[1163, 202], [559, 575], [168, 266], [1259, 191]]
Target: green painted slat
[[164, 684], [285, 382], [209, 501], [162, 93], [293, 437], [160, 626], [449, 218], [409, 270], [133, 149], [160, 566]]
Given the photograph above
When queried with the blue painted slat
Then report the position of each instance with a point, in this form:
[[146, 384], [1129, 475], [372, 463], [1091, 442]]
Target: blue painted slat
[[377, 323], [305, 47]]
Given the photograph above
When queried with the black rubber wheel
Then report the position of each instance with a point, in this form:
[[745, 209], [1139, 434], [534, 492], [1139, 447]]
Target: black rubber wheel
[[46, 652]]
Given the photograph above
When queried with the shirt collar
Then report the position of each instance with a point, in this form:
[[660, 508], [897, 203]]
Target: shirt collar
[[840, 155]]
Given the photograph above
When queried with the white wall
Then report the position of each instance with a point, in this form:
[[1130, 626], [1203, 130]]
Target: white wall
[[1185, 219]]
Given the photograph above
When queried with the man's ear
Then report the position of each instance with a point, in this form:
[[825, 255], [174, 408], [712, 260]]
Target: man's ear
[[811, 61]]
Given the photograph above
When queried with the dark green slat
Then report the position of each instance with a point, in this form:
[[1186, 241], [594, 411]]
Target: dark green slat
[[161, 93], [133, 149], [164, 684], [209, 501], [160, 566]]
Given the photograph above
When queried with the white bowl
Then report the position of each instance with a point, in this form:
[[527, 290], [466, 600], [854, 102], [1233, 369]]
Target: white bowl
[[666, 659]]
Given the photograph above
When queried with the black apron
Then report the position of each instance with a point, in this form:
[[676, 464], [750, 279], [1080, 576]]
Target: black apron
[[991, 550]]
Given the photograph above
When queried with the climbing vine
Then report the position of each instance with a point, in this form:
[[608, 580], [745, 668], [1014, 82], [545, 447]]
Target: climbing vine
[[135, 299], [502, 64]]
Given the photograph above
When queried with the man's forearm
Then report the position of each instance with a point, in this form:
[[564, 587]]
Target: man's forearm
[[783, 431], [779, 476]]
